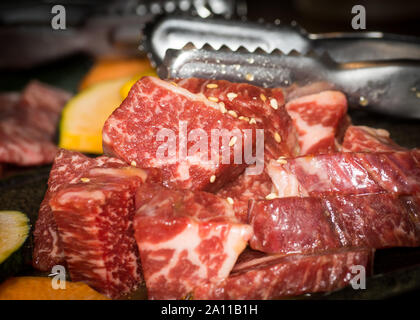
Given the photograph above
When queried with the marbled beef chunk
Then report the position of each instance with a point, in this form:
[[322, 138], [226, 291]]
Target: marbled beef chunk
[[317, 118], [94, 218], [317, 224], [291, 225], [185, 239], [259, 276], [154, 110], [246, 188], [347, 173], [266, 107], [68, 168], [365, 139]]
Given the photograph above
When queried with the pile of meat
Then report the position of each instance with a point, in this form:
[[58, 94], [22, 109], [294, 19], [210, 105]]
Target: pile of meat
[[328, 195], [28, 123]]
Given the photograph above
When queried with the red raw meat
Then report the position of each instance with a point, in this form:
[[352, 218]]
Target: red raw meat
[[373, 220], [259, 276], [8, 101], [95, 224], [264, 105], [245, 188], [291, 225], [365, 139], [347, 173], [317, 118], [309, 225], [67, 169], [130, 133], [185, 239], [43, 104], [28, 123]]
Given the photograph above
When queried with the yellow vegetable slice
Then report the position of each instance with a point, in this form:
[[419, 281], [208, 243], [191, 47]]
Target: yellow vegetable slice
[[111, 69], [85, 114], [41, 288], [14, 229]]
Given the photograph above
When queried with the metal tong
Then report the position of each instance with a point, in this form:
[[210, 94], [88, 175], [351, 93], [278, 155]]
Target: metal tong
[[387, 87], [174, 32], [383, 80]]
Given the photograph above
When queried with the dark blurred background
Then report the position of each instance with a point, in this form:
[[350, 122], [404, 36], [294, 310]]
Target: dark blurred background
[[396, 16], [99, 20]]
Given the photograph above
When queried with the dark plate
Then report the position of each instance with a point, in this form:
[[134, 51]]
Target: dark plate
[[396, 271]]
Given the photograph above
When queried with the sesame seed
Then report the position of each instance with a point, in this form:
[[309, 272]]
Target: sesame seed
[[174, 83], [230, 200], [262, 97], [249, 77], [252, 121], [281, 161], [84, 179], [212, 178], [233, 141], [222, 107], [243, 118], [277, 137], [212, 86], [133, 163], [274, 104], [231, 96], [214, 99], [271, 196], [363, 101], [233, 113]]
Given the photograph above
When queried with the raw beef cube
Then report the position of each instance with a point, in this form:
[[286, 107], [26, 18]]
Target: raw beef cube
[[373, 220], [291, 225], [246, 188], [95, 225], [28, 123], [308, 175], [260, 276], [67, 169], [347, 173], [365, 139], [185, 239], [264, 105], [309, 224], [156, 111], [317, 118], [397, 172]]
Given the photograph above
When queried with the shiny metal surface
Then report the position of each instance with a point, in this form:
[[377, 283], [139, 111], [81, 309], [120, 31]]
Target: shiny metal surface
[[389, 87], [174, 32]]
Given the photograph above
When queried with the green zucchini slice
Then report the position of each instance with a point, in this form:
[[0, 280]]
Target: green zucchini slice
[[14, 231]]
